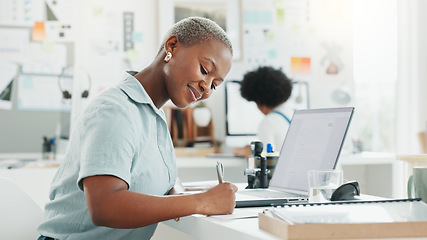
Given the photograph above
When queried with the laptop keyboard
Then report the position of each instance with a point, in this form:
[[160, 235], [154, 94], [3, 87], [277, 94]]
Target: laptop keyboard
[[274, 194]]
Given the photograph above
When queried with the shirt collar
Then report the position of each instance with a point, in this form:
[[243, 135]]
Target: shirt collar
[[280, 108], [135, 91]]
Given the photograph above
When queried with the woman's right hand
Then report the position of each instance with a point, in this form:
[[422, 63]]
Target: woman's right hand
[[218, 200]]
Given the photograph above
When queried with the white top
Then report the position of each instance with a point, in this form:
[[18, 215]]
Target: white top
[[273, 127]]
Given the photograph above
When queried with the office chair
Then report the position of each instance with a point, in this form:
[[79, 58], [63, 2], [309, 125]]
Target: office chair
[[19, 214]]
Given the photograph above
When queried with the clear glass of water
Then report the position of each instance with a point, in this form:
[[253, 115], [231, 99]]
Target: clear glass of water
[[322, 183]]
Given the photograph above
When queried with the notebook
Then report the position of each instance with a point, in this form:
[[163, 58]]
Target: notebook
[[313, 141]]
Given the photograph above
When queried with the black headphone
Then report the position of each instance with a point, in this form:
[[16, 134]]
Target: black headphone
[[67, 94]]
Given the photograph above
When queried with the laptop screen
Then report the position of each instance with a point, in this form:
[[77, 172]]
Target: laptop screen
[[314, 141]]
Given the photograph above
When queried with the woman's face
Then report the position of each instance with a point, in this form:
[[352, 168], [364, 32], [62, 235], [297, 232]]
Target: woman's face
[[193, 72]]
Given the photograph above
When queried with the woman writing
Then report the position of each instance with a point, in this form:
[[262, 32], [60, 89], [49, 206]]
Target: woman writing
[[118, 178]]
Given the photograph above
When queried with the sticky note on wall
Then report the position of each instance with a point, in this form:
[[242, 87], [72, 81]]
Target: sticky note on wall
[[301, 65], [39, 33]]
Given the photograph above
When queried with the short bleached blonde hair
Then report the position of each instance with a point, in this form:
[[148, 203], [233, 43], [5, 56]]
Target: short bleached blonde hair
[[194, 30]]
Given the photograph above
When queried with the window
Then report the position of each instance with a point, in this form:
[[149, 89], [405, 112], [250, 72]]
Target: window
[[375, 73]]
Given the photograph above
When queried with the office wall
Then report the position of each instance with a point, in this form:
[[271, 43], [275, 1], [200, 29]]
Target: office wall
[[26, 119], [23, 131], [100, 43], [422, 63], [272, 32], [281, 33], [412, 74], [94, 46], [268, 37]]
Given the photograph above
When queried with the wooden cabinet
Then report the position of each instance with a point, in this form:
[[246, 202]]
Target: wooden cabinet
[[184, 130]]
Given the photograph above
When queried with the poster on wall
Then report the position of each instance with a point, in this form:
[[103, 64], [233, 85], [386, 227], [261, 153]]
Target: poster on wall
[[21, 13], [44, 58], [260, 34], [316, 47], [334, 50], [14, 42], [60, 18], [334, 41]]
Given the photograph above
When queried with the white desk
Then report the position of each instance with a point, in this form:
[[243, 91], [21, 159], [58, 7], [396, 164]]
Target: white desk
[[202, 227], [36, 182], [207, 228], [222, 227], [212, 228], [378, 174]]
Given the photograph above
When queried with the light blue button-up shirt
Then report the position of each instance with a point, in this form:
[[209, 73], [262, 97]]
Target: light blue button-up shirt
[[120, 133]]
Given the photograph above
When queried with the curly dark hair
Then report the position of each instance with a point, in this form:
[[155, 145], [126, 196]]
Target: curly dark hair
[[266, 86]]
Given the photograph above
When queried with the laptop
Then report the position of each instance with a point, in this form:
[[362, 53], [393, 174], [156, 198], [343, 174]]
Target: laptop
[[314, 141]]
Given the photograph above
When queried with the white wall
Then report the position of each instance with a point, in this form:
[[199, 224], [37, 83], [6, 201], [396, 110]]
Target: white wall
[[95, 21], [100, 23], [422, 20], [412, 75]]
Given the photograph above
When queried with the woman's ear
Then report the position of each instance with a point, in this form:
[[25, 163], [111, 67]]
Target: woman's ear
[[171, 43]]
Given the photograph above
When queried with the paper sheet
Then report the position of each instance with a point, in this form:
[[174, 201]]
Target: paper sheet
[[21, 13], [13, 44], [239, 214], [41, 93], [44, 58], [60, 16]]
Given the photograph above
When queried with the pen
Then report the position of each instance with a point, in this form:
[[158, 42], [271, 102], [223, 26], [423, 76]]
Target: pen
[[220, 171]]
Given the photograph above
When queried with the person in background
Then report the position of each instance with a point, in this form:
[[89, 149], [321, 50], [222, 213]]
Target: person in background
[[269, 88], [118, 178]]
